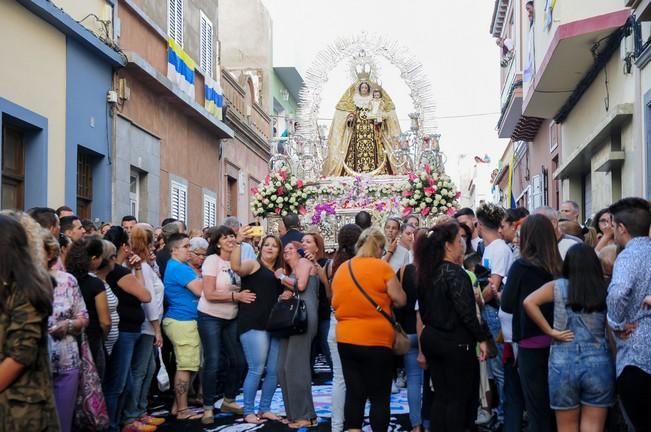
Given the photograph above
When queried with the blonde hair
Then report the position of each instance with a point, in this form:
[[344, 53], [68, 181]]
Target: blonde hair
[[371, 243], [142, 236]]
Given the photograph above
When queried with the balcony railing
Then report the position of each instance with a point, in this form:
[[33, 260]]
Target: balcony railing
[[508, 82], [248, 112]]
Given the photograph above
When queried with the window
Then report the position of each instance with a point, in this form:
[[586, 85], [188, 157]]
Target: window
[[231, 196], [84, 184], [134, 193], [209, 211], [179, 201], [175, 20], [537, 194], [13, 168], [206, 38]]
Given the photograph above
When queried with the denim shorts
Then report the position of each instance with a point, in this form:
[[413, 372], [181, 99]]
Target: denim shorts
[[581, 374]]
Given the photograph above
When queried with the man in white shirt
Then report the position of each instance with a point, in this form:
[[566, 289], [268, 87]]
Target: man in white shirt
[[569, 210], [497, 258]]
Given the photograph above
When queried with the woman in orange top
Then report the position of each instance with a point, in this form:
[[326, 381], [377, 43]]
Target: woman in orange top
[[364, 336]]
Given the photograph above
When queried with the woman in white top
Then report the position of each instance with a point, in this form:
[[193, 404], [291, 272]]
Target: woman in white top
[[143, 364], [218, 307]]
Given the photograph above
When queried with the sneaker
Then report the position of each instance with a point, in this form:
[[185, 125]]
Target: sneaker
[[229, 406], [483, 417], [394, 388]]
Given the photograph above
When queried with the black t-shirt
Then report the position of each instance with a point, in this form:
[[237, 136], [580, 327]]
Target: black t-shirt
[[254, 316], [162, 257], [129, 307], [406, 315], [91, 287]]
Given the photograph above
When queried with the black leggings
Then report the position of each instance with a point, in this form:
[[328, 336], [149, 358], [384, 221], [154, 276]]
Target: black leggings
[[368, 372], [634, 388], [455, 378]]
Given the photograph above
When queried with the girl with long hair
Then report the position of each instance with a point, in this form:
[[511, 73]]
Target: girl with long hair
[[539, 263], [581, 367], [260, 347], [26, 396], [143, 364], [451, 329]]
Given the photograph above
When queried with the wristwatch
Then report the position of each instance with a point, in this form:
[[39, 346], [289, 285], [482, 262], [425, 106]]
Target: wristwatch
[[282, 277]]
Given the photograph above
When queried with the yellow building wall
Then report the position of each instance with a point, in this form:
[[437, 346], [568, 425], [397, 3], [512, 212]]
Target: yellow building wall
[[34, 76], [80, 9], [591, 112]]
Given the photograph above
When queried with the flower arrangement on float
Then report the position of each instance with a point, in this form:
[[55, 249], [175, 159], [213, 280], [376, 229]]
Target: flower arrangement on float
[[429, 193], [280, 193]]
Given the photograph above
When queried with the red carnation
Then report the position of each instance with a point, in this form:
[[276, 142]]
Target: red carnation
[[280, 191], [425, 211], [299, 183]]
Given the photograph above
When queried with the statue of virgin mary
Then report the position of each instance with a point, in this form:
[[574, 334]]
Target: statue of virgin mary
[[360, 137]]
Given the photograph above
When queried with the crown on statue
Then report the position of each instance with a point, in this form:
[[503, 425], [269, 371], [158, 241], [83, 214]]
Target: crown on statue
[[363, 71]]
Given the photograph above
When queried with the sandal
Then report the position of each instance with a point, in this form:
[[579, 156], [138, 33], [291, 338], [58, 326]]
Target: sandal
[[151, 420], [138, 426], [189, 415], [268, 415], [253, 419], [300, 424]]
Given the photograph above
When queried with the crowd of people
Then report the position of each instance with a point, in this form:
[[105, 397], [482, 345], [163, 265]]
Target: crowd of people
[[494, 317]]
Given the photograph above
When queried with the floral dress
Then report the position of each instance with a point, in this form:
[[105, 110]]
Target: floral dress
[[68, 304]]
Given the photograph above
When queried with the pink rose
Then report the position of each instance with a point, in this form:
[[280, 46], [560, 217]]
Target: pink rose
[[280, 191], [277, 210], [425, 211], [451, 211], [299, 183]]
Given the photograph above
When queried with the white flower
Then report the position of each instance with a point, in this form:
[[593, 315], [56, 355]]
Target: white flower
[[428, 200], [265, 201], [412, 202], [292, 200], [288, 186], [280, 200], [419, 184], [449, 205], [443, 202], [423, 176], [283, 213], [437, 197], [273, 198], [423, 205]]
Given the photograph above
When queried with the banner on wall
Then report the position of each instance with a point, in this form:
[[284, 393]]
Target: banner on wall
[[180, 67], [214, 97]]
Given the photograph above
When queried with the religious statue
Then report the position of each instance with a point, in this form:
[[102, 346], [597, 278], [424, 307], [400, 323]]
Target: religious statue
[[362, 132]]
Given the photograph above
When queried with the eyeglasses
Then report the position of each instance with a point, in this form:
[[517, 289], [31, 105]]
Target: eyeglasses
[[203, 255]]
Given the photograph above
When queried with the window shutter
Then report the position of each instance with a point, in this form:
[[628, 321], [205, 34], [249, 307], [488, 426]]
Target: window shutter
[[179, 201], [171, 18], [209, 211], [175, 20], [206, 38]]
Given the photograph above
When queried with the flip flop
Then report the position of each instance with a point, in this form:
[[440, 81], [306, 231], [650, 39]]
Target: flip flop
[[190, 415], [270, 416], [257, 420], [302, 424]]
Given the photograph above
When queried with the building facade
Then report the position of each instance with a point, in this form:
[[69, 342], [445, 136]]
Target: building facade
[[568, 97], [55, 118], [168, 149]]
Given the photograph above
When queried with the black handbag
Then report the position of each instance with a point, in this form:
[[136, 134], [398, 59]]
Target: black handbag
[[288, 317]]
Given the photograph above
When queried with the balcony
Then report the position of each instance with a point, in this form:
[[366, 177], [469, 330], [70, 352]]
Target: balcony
[[510, 102], [244, 113], [567, 61]]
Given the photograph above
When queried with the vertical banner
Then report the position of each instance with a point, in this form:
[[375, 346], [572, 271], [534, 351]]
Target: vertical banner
[[180, 67]]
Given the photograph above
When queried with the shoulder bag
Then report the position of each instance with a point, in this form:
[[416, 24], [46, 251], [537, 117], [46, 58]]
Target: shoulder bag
[[90, 406], [401, 344], [288, 317]]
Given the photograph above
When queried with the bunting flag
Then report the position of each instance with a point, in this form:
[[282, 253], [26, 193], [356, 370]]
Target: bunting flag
[[509, 195], [180, 67], [214, 97]]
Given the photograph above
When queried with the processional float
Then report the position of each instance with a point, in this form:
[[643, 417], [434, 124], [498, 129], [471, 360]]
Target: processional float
[[400, 173]]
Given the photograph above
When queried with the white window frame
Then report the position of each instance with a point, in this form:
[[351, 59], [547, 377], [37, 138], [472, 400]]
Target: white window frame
[[206, 45], [209, 211], [179, 201], [134, 198], [175, 20]]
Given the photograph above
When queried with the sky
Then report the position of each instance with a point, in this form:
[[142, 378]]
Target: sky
[[450, 38]]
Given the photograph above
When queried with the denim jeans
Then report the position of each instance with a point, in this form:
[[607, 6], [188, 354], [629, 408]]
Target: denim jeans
[[219, 334], [414, 382], [320, 342], [495, 367], [142, 371], [117, 379], [338, 383], [260, 350]]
